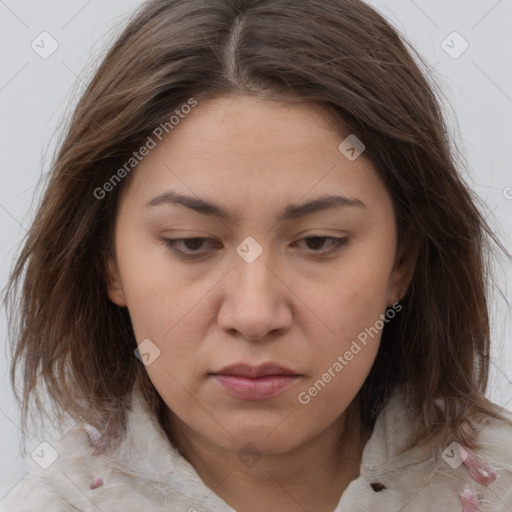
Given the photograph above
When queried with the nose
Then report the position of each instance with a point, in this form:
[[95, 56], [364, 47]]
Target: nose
[[256, 301]]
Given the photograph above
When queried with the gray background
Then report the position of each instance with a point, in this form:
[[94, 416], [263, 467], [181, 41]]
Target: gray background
[[35, 93]]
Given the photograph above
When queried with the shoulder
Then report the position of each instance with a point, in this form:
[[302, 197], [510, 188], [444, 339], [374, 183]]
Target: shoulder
[[480, 477], [495, 437], [140, 471], [494, 457], [33, 493], [400, 473], [76, 473], [60, 475]]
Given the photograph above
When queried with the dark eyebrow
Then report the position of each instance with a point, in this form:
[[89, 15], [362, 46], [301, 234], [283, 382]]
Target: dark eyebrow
[[292, 211]]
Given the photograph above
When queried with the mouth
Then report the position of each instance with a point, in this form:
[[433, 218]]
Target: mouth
[[248, 382]]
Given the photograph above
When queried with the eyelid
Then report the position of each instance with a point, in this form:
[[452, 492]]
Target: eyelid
[[337, 244], [171, 244]]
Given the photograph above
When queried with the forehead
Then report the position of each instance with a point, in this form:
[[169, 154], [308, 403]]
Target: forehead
[[250, 128], [246, 151]]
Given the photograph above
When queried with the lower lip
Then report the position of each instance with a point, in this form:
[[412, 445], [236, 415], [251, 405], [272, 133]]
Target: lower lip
[[260, 388]]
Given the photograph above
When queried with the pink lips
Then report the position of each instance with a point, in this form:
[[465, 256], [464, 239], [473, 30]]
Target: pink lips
[[255, 382]]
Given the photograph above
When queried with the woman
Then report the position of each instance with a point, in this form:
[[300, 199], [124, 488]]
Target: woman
[[256, 280]]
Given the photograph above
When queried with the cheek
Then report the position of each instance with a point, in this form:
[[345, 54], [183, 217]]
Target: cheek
[[343, 360], [154, 293], [351, 299], [333, 389], [166, 308]]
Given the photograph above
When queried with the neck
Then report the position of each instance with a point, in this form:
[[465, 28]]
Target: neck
[[313, 476]]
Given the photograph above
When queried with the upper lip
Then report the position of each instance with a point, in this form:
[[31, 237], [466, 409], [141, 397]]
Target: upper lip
[[247, 370]]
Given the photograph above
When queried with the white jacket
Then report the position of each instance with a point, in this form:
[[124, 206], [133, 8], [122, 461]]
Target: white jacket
[[145, 472]]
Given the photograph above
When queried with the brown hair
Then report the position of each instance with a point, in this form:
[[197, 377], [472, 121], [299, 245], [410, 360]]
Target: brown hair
[[337, 53]]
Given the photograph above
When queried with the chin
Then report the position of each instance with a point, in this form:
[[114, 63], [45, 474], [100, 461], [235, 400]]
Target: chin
[[257, 444], [270, 437]]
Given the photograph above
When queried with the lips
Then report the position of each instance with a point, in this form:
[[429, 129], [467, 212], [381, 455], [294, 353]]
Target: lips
[[247, 382], [245, 370]]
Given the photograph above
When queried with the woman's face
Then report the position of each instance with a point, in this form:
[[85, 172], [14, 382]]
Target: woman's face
[[266, 280]]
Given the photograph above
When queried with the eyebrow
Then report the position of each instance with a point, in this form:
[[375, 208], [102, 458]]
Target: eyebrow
[[292, 211]]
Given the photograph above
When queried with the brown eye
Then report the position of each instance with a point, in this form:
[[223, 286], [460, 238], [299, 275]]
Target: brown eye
[[188, 248], [315, 244]]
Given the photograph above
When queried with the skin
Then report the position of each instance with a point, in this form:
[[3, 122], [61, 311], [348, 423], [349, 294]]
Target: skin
[[291, 305]]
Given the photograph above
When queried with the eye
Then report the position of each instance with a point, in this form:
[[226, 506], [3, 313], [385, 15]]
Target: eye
[[190, 248], [316, 242]]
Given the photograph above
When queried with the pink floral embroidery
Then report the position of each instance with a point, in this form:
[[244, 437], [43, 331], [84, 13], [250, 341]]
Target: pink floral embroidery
[[97, 482], [481, 473], [469, 502], [96, 439]]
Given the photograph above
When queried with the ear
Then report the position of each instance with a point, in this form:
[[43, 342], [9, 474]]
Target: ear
[[113, 282], [403, 270]]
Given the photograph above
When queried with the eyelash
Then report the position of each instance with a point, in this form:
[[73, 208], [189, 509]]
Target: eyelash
[[338, 243]]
